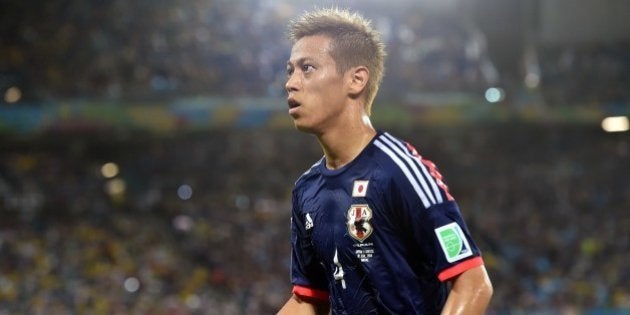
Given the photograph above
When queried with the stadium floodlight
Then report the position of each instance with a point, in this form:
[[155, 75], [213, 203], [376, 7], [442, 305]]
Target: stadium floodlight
[[616, 124], [184, 192], [115, 187], [109, 170], [12, 94], [131, 284], [494, 94]]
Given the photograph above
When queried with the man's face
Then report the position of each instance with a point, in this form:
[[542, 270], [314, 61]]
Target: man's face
[[316, 91]]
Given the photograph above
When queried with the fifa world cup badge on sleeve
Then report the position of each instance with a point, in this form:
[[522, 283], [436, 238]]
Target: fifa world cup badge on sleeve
[[453, 242]]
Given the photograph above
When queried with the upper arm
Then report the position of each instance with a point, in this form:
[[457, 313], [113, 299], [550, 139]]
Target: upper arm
[[442, 237], [470, 293]]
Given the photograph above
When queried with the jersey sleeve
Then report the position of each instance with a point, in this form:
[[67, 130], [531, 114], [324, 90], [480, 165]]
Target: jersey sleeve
[[434, 222], [448, 240], [307, 274]]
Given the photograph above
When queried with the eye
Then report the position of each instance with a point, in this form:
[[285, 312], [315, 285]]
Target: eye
[[307, 67], [289, 70]]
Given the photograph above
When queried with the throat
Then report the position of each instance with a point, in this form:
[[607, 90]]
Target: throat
[[344, 149]]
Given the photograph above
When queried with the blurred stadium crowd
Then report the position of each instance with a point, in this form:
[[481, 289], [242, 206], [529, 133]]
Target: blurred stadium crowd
[[201, 225], [152, 50], [593, 75], [122, 49], [198, 223]]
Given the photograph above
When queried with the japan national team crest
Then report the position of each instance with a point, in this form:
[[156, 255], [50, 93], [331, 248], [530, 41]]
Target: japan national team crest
[[359, 226]]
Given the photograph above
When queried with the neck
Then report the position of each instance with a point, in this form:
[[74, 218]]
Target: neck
[[342, 145]]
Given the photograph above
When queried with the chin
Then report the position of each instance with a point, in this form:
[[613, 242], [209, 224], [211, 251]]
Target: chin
[[304, 127]]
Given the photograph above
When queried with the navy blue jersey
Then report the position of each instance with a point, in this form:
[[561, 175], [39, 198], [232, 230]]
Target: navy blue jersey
[[381, 235]]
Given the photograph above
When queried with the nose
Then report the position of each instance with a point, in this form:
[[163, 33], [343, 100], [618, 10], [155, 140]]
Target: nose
[[292, 83]]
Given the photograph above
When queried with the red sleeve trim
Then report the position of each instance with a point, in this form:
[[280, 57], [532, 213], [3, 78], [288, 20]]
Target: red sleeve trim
[[310, 293], [460, 268]]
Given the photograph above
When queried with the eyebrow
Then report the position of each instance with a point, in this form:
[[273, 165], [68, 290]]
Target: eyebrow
[[299, 61]]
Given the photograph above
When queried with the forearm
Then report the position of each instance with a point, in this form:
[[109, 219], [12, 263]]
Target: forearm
[[297, 306], [470, 294]]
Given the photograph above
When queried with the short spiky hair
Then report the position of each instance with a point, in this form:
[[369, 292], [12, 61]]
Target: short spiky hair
[[353, 43]]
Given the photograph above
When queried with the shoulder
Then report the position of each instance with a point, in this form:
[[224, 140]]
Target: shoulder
[[392, 154], [309, 174], [410, 171]]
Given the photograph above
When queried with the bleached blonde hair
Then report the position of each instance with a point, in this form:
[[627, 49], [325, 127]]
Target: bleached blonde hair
[[353, 43]]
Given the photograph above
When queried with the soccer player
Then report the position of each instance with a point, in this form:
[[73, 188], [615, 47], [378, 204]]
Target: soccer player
[[374, 229]]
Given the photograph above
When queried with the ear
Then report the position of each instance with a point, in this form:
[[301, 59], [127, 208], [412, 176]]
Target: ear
[[358, 80]]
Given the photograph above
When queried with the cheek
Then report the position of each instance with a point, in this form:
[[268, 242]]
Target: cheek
[[316, 95], [334, 97], [325, 94], [330, 91]]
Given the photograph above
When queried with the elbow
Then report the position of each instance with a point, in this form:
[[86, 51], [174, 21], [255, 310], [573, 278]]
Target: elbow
[[489, 291], [483, 290], [471, 293], [486, 290]]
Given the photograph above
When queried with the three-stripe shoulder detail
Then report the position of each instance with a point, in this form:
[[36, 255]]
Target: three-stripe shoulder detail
[[420, 178]]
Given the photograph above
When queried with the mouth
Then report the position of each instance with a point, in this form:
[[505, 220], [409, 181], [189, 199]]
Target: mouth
[[292, 103]]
